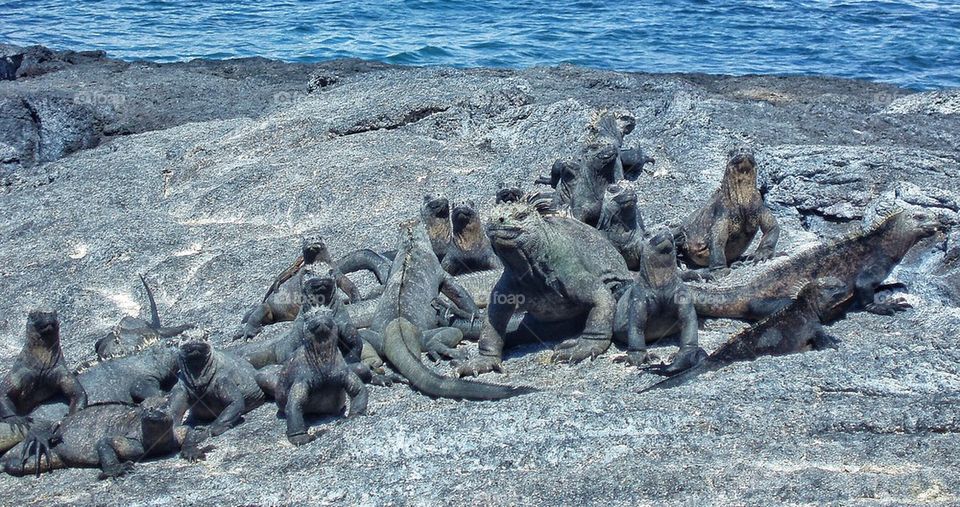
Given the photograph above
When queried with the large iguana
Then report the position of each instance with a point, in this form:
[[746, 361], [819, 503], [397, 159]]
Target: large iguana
[[316, 380], [110, 436], [469, 249], [560, 272], [133, 333], [39, 372], [405, 323], [657, 305], [282, 301], [215, 386], [794, 328], [862, 260], [132, 378], [720, 232]]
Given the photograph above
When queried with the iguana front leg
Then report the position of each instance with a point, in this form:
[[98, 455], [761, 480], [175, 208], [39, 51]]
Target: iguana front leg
[[296, 427], [771, 234], [232, 396], [68, 383], [719, 233], [349, 288], [636, 329], [499, 312], [690, 353], [865, 288], [597, 332], [357, 392], [12, 387], [109, 451]]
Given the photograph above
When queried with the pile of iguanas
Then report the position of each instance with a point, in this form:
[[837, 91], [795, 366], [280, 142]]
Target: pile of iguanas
[[574, 264]]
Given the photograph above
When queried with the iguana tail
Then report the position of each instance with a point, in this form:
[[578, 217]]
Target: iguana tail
[[728, 303], [365, 259], [396, 337], [686, 376], [154, 315]]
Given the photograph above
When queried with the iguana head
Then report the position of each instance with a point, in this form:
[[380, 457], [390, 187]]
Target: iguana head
[[320, 336], [155, 424], [659, 258], [602, 162], [463, 214], [912, 224], [314, 249], [826, 295], [412, 236], [510, 193], [318, 285], [517, 225], [740, 175], [195, 356], [619, 206], [43, 327], [435, 207]]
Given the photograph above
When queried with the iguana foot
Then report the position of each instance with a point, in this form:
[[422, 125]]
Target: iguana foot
[[482, 364], [577, 349], [301, 438], [114, 471], [437, 351], [684, 360], [889, 307], [20, 422], [825, 341], [381, 380], [636, 358], [191, 450]]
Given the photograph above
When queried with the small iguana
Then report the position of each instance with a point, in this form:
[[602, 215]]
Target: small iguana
[[557, 270], [658, 305], [469, 249], [39, 372], [621, 223], [133, 333], [435, 214], [862, 260], [720, 232], [110, 436], [316, 381], [214, 386], [792, 329]]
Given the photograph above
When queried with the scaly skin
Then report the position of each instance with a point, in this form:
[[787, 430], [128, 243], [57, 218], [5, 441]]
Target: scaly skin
[[560, 272], [39, 372], [110, 436], [316, 380], [861, 260], [435, 214], [793, 329], [133, 378], [720, 232], [470, 249], [282, 301], [621, 223], [657, 305]]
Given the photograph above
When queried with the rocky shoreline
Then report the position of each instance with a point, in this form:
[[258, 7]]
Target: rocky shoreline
[[204, 175]]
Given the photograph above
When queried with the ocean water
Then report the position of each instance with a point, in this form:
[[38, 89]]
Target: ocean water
[[911, 43]]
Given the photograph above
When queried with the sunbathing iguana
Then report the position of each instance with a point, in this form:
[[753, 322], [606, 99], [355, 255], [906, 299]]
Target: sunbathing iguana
[[405, 323], [720, 232], [282, 301], [132, 378], [317, 380], [862, 260], [560, 272], [39, 372], [621, 223], [111, 436], [435, 214], [469, 249], [134, 334], [214, 386], [794, 328], [657, 305]]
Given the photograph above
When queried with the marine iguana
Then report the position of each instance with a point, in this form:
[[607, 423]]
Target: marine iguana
[[508, 193], [39, 372], [214, 386], [405, 322], [282, 301], [134, 333], [132, 378], [792, 329], [862, 260], [435, 214], [469, 249], [111, 436], [9, 66], [720, 232], [621, 223], [557, 270], [657, 305], [316, 381]]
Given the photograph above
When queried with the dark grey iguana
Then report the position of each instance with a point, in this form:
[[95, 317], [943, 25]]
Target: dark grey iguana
[[559, 272], [469, 249], [317, 380], [282, 301], [9, 66], [621, 223], [132, 378], [792, 329], [862, 260], [134, 334], [404, 324], [720, 232], [39, 372], [658, 305], [109, 436], [214, 386]]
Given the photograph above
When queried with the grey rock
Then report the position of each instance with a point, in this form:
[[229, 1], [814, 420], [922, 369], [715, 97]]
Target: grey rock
[[205, 181]]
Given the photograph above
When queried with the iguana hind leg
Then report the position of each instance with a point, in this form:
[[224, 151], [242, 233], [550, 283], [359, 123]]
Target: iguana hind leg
[[442, 343]]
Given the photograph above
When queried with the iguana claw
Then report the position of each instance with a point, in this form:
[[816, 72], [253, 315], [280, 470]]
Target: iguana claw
[[114, 471], [684, 360], [889, 307], [477, 366], [301, 438], [636, 358], [577, 349]]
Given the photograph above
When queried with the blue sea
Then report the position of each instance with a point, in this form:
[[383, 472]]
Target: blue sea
[[911, 43]]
